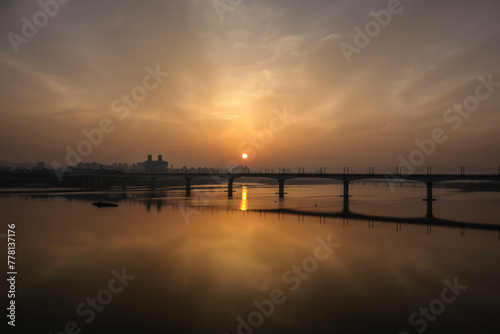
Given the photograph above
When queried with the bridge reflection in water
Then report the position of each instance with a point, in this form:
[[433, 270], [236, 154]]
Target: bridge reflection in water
[[160, 200], [347, 215]]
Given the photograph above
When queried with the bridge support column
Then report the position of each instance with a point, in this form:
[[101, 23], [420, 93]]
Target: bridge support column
[[346, 196], [124, 184], [230, 188], [429, 199], [281, 188], [188, 187]]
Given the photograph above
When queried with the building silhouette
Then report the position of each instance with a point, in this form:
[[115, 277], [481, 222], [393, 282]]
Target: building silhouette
[[158, 166]]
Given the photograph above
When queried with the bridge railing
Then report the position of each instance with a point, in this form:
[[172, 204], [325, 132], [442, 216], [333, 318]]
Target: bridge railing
[[352, 170]]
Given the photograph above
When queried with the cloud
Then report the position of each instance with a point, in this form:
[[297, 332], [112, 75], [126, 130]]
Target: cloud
[[227, 77]]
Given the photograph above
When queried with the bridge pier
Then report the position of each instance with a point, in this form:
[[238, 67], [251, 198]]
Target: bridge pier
[[281, 188], [230, 188], [346, 195], [188, 187], [124, 184], [429, 199]]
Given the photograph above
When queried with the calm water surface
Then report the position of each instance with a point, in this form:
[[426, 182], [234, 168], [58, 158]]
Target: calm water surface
[[208, 264]]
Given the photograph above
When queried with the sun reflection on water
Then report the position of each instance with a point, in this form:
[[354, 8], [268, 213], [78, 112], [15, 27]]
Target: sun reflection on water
[[243, 205]]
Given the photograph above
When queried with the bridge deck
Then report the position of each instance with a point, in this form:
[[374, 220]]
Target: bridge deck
[[426, 178]]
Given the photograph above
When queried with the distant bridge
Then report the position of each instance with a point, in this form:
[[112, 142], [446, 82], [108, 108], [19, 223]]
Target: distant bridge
[[220, 177]]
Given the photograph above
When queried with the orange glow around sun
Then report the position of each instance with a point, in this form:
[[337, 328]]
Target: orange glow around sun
[[244, 156]]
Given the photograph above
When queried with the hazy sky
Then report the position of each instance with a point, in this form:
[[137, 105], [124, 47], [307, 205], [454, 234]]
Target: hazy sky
[[230, 71]]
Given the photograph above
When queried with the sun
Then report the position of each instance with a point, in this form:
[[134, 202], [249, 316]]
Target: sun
[[244, 155]]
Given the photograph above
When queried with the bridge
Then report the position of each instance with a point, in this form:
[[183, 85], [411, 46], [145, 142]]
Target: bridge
[[226, 177]]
